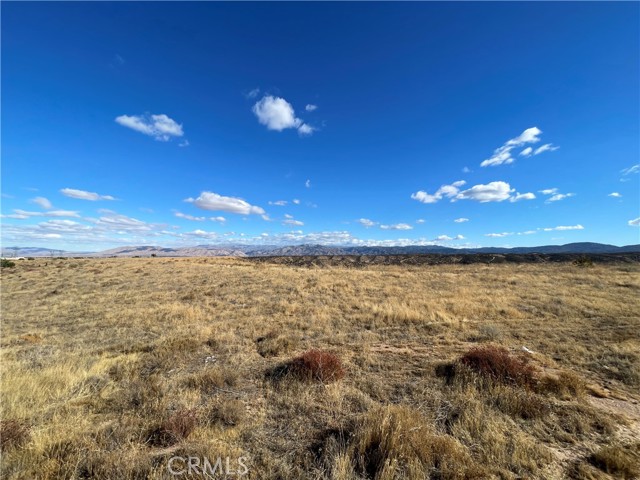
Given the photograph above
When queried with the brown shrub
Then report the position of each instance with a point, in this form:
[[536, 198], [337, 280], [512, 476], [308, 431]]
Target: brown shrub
[[317, 365], [13, 433], [499, 364], [175, 428]]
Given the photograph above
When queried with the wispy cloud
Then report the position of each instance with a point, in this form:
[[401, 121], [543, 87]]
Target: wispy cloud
[[420, 221], [214, 201], [614, 195], [161, 127], [634, 223], [447, 238], [503, 154], [461, 220], [22, 214], [189, 217], [42, 202], [564, 227], [547, 147], [279, 203], [631, 170], [277, 114], [295, 201], [84, 195], [397, 226], [307, 184], [310, 107], [555, 195], [252, 93]]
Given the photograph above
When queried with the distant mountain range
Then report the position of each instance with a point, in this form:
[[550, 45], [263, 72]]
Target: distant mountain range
[[310, 250]]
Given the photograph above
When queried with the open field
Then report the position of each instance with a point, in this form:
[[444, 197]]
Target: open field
[[110, 367]]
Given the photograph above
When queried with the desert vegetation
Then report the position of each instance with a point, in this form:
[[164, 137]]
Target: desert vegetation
[[111, 367]]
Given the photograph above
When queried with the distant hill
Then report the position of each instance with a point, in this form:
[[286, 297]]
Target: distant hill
[[237, 250]]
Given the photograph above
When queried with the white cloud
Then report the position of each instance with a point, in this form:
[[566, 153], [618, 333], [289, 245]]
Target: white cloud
[[632, 169], [448, 191], [214, 201], [615, 195], [498, 235], [279, 203], [522, 196], [84, 195], [184, 143], [286, 215], [502, 155], [292, 222], [466, 170], [305, 129], [277, 114], [160, 127], [189, 217], [310, 107], [296, 201], [49, 213], [365, 222], [218, 219], [547, 147], [564, 227], [634, 223], [555, 195], [307, 184], [461, 220], [491, 192], [560, 196], [526, 152], [42, 202], [397, 226], [420, 220]]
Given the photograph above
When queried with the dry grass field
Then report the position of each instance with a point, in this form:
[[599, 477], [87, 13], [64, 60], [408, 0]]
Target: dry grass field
[[111, 367]]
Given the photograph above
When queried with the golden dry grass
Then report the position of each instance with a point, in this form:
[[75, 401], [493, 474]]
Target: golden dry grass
[[112, 366]]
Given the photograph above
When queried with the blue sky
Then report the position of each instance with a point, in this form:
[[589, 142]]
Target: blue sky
[[460, 124]]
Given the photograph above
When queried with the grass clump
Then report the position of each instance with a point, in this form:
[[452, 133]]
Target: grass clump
[[396, 442], [619, 461], [566, 385], [273, 344]]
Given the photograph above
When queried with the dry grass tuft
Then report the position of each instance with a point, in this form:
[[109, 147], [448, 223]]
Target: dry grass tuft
[[566, 385], [498, 364], [226, 412], [622, 461], [396, 442], [273, 344]]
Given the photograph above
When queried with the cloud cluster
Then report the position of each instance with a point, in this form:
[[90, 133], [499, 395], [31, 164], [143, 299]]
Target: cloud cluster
[[84, 195], [491, 192], [277, 114], [503, 154], [161, 127], [214, 201], [397, 226]]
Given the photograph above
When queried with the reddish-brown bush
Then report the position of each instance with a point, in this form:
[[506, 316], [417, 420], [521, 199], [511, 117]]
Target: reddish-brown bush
[[175, 428], [12, 434], [317, 365], [499, 364]]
